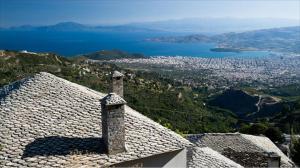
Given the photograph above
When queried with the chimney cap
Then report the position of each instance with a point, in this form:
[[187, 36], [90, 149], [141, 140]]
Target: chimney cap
[[117, 74], [271, 154], [112, 99]]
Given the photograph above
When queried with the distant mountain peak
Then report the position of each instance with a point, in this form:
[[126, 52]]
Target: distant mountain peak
[[69, 23], [65, 26], [74, 26]]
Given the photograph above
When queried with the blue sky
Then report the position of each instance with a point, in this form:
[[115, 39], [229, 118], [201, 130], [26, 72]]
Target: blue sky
[[95, 12]]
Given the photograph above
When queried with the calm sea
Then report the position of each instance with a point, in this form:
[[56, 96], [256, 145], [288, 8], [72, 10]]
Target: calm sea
[[75, 43]]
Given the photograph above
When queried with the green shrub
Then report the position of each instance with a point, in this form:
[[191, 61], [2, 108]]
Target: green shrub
[[295, 152], [274, 134]]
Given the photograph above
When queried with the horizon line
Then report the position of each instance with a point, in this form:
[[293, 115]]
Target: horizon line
[[148, 21]]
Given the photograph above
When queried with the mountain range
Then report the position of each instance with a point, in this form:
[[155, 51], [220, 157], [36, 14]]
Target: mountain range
[[285, 39], [187, 25], [216, 25], [75, 27]]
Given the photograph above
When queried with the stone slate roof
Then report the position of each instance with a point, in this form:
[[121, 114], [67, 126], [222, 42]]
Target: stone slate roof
[[248, 147], [206, 157], [46, 121]]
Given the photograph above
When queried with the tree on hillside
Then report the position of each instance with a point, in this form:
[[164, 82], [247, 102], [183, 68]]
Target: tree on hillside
[[274, 134], [295, 151], [254, 129]]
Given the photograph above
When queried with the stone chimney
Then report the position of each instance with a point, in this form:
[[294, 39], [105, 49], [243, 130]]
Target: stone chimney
[[273, 159], [113, 126], [117, 83]]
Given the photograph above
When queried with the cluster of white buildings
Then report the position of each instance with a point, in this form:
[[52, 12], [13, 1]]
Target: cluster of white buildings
[[274, 71]]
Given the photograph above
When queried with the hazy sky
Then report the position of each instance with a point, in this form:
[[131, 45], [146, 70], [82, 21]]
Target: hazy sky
[[41, 12]]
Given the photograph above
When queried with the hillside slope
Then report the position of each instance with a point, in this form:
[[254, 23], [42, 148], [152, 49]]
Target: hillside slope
[[247, 106], [112, 54]]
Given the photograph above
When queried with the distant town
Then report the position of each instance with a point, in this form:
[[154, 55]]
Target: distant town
[[219, 71]]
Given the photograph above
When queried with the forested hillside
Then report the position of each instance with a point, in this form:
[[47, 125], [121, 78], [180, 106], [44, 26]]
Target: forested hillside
[[111, 54]]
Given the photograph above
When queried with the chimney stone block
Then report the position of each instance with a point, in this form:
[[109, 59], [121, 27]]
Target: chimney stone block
[[117, 83], [113, 125]]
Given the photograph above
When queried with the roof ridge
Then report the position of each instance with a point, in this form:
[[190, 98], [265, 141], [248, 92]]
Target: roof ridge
[[217, 133], [25, 79], [80, 87], [7, 89]]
